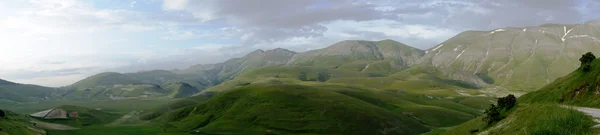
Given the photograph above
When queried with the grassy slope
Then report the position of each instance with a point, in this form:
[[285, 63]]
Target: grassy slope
[[540, 115], [289, 109], [533, 119], [15, 124], [578, 88], [179, 90]]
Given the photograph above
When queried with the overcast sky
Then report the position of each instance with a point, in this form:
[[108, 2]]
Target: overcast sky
[[57, 42]]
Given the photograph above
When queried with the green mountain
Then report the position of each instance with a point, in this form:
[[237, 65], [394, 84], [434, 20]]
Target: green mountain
[[15, 92], [164, 77], [381, 57], [516, 58], [107, 78], [437, 107], [217, 73], [111, 85], [179, 90]]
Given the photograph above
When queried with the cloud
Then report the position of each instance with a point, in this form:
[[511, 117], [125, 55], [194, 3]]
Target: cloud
[[175, 4], [70, 39]]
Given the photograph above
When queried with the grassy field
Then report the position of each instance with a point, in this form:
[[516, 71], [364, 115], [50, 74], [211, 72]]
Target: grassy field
[[109, 130]]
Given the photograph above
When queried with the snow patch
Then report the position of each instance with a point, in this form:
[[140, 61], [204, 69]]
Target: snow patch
[[566, 33], [463, 51], [497, 30], [438, 52], [438, 47], [524, 29], [426, 52], [585, 36]]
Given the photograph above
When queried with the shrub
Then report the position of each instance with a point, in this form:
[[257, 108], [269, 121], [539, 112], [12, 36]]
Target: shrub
[[492, 115], [2, 114], [586, 61], [507, 102], [473, 131]]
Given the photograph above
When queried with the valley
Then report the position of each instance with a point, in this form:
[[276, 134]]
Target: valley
[[351, 87]]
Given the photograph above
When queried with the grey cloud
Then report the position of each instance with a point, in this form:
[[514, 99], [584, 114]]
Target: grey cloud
[[277, 20], [50, 73]]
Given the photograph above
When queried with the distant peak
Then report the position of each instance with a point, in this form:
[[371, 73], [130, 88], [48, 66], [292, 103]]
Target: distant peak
[[388, 40], [281, 50], [255, 52]]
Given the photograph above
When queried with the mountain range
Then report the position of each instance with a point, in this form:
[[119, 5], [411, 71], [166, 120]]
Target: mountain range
[[506, 59], [409, 90]]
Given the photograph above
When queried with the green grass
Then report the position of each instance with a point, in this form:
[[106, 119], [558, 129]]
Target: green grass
[[534, 119], [289, 109], [480, 103], [578, 88], [123, 130], [15, 124]]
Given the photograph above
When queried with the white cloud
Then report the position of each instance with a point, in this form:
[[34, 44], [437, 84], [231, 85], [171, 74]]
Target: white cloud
[[132, 3], [175, 4]]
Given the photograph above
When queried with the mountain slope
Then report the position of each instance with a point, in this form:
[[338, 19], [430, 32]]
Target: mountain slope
[[24, 92], [227, 70], [579, 88], [105, 79], [179, 90], [111, 85], [517, 58], [380, 57]]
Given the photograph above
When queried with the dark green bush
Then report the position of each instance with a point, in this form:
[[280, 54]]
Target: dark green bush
[[507, 102], [492, 115], [586, 61]]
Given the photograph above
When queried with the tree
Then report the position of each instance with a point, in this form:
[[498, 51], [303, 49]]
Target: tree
[[507, 102], [302, 76], [586, 61], [492, 115], [321, 77], [2, 114]]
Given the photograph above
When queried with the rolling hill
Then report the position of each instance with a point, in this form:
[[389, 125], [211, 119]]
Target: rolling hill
[[277, 109], [15, 92]]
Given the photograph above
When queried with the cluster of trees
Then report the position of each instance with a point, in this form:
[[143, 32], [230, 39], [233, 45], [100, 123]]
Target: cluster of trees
[[586, 61], [493, 115]]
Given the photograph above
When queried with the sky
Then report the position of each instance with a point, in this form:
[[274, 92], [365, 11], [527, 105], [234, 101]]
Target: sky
[[58, 42]]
